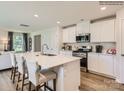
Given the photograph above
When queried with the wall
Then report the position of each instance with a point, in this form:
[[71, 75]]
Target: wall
[[51, 37]]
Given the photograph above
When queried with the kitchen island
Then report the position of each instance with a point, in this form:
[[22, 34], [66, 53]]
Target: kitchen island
[[67, 69]]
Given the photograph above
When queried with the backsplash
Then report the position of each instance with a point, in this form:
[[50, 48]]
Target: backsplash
[[106, 46]]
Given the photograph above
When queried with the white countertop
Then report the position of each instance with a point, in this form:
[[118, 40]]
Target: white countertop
[[50, 61], [103, 53]]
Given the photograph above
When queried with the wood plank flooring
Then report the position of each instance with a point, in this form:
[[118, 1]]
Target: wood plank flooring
[[89, 82], [92, 82]]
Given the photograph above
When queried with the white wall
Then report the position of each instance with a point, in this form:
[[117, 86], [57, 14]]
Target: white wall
[[51, 37]]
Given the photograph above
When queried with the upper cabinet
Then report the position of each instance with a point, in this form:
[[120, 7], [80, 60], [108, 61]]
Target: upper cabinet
[[95, 32], [69, 35], [83, 27], [103, 31], [108, 31]]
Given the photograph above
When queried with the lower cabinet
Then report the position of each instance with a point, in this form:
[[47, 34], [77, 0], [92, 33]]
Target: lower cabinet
[[101, 63], [106, 64], [93, 62]]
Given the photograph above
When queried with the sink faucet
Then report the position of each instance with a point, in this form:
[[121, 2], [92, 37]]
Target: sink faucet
[[43, 47]]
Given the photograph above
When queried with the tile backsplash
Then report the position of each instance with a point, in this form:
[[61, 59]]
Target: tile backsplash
[[106, 46]]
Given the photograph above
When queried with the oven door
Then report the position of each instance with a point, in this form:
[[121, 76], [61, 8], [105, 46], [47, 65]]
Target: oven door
[[83, 62]]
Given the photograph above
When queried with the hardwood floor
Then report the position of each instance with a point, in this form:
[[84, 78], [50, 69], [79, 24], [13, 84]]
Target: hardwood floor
[[92, 82], [89, 82]]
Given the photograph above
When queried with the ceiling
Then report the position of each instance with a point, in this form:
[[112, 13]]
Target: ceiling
[[12, 14]]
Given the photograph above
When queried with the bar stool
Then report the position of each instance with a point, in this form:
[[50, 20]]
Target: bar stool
[[14, 66], [39, 78], [22, 71]]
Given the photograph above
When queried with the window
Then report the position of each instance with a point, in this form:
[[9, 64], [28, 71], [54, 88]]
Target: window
[[18, 44]]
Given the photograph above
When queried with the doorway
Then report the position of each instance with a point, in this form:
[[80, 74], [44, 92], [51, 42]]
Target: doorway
[[37, 43]]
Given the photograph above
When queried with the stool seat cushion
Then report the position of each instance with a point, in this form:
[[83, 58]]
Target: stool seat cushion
[[47, 75]]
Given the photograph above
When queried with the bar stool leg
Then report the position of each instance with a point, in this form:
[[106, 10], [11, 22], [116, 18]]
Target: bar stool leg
[[54, 84], [11, 73], [37, 88], [45, 86], [29, 86], [14, 72], [23, 78], [18, 81]]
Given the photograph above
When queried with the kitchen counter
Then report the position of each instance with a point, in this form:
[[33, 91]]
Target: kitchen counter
[[5, 61], [50, 61], [103, 53], [66, 67]]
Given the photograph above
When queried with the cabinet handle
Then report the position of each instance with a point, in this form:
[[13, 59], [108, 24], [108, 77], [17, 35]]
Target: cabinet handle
[[122, 54]]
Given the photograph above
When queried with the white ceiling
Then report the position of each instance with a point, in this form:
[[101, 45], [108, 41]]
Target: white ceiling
[[14, 13]]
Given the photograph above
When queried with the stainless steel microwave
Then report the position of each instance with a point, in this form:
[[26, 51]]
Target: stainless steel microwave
[[84, 38]]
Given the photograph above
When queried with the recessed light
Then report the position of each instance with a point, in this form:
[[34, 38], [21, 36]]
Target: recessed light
[[58, 22], [36, 15], [103, 8]]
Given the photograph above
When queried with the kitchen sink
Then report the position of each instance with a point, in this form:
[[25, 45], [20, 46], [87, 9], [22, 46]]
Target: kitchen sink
[[49, 54]]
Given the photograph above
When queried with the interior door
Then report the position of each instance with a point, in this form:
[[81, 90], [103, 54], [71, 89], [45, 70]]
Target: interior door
[[37, 43]]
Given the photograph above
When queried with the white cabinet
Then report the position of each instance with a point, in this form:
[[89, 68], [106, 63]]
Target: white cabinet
[[106, 64], [108, 31], [103, 31], [120, 45], [72, 34], [95, 32], [93, 62], [101, 63], [65, 36], [83, 27], [69, 35], [122, 36]]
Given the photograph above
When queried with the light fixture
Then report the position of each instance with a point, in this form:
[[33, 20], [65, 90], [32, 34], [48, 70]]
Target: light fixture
[[24, 25], [103, 8], [58, 22], [36, 15]]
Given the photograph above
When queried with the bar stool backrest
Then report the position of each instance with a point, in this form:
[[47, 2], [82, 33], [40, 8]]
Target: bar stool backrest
[[13, 60], [33, 71], [21, 63]]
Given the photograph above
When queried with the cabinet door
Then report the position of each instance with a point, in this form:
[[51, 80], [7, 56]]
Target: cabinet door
[[93, 62], [106, 64], [69, 35], [83, 27], [72, 34], [95, 32], [122, 36], [65, 37], [108, 31]]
